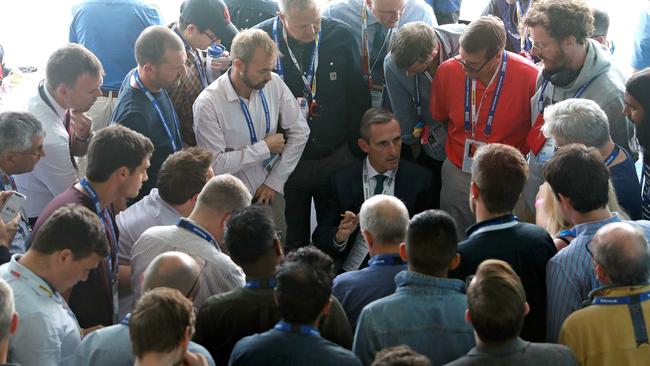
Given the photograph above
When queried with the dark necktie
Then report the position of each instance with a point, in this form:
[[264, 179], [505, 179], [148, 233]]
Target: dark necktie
[[66, 124], [379, 188], [378, 52], [645, 208]]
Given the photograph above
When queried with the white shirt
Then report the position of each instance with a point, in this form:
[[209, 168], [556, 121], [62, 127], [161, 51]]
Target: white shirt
[[220, 274], [48, 333], [220, 126], [372, 173], [150, 211], [54, 172]]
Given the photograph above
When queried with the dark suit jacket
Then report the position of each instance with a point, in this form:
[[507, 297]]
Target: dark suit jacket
[[412, 186]]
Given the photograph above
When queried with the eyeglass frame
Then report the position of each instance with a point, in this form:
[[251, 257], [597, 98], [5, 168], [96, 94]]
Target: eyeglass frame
[[39, 152], [470, 68], [213, 40]]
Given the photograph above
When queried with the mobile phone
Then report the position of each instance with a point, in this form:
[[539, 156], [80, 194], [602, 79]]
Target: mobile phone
[[12, 206]]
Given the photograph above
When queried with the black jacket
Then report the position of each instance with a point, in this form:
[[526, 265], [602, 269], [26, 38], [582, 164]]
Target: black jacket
[[341, 93], [412, 186]]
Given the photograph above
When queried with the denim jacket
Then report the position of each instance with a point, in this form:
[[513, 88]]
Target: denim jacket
[[426, 313]]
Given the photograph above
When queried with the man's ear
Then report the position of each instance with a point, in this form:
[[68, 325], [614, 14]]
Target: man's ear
[[15, 322], [277, 246], [363, 145], [468, 316], [526, 308], [239, 64], [455, 262], [368, 237], [473, 189], [327, 307], [402, 252], [65, 255]]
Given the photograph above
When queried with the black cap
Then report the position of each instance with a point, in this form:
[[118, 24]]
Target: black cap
[[210, 14]]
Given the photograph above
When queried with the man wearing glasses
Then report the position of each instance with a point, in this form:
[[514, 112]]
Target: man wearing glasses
[[484, 97], [201, 24], [573, 67], [580, 181], [21, 147]]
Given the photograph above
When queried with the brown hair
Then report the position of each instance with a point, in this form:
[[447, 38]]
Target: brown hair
[[485, 33], [494, 164], [183, 174], [496, 301], [414, 42], [68, 63], [561, 18], [160, 320]]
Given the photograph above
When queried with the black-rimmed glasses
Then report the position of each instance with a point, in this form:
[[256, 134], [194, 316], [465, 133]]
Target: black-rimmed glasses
[[471, 68]]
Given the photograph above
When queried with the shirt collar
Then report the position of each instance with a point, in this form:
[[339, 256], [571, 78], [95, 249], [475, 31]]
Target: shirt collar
[[60, 111], [36, 283], [415, 279], [218, 246], [498, 223], [231, 93], [590, 228], [372, 172], [509, 347]]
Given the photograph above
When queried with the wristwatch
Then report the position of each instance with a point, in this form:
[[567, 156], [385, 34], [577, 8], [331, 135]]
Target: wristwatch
[[87, 139]]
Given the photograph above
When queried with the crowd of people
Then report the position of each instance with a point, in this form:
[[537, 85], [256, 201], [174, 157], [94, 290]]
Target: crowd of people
[[474, 185]]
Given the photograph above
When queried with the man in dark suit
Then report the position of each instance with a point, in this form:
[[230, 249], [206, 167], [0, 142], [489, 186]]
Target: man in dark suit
[[381, 172]]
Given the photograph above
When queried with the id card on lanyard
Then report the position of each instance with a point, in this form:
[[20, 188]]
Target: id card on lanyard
[[107, 221], [308, 101], [176, 146], [472, 113]]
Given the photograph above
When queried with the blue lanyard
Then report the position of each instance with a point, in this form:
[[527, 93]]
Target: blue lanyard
[[493, 107], [385, 260], [197, 59], [610, 159], [188, 225], [261, 283], [540, 101], [7, 179], [108, 225], [249, 119], [621, 300], [125, 320], [297, 328], [309, 79], [418, 99], [175, 146]]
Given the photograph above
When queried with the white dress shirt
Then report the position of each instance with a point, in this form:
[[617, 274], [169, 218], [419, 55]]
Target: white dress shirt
[[54, 172], [372, 173], [150, 211], [48, 333], [220, 274], [220, 126]]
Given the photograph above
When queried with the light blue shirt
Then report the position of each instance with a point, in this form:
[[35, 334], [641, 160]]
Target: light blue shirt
[[570, 274], [48, 333], [111, 346], [349, 11], [401, 90], [426, 313]]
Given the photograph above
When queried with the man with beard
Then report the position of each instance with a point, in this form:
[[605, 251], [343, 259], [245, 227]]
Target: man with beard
[[143, 104], [573, 67], [251, 95], [73, 76]]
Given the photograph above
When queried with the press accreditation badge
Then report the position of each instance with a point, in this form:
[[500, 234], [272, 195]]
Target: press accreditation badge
[[468, 155], [376, 95], [304, 106], [546, 152], [433, 140]]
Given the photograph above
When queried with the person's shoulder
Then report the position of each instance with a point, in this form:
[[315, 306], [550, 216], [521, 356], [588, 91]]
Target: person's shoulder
[[266, 25], [333, 28], [337, 355], [417, 7], [522, 64], [413, 169], [344, 175], [550, 354]]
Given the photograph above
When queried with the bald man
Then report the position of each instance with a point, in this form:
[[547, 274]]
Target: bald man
[[613, 329], [111, 346], [383, 220]]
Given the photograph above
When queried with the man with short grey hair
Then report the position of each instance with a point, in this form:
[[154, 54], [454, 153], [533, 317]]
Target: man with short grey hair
[[582, 121], [21, 147], [8, 319], [619, 311], [73, 76], [383, 220], [111, 346], [200, 235], [144, 104]]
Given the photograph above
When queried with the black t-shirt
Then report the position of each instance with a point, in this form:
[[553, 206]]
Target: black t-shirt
[[135, 111]]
